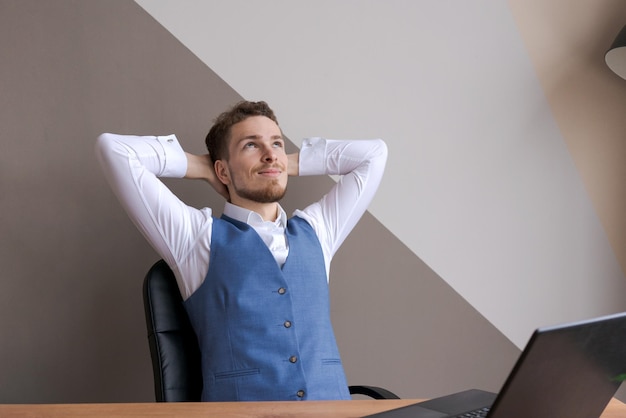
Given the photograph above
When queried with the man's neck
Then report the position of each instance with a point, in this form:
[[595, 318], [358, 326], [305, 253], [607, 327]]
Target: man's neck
[[267, 211]]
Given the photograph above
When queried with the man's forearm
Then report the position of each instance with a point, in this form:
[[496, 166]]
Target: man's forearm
[[293, 161], [199, 167]]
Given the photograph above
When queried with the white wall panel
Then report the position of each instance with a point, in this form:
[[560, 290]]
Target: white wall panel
[[479, 182]]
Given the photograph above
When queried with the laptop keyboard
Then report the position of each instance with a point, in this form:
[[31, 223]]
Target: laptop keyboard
[[477, 413]]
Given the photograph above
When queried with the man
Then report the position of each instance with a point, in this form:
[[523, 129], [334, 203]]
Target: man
[[255, 284]]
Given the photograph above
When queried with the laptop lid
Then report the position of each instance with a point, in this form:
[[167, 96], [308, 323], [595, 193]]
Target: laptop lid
[[570, 370]]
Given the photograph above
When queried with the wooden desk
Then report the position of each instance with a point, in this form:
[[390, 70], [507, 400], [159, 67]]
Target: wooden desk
[[310, 409]]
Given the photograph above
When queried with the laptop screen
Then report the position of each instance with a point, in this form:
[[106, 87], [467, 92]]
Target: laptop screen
[[567, 371]]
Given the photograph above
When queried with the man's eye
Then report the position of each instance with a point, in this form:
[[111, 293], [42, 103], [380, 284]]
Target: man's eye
[[278, 144], [250, 145]]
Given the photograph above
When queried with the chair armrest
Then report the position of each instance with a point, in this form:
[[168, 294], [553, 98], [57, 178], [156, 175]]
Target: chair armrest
[[373, 392]]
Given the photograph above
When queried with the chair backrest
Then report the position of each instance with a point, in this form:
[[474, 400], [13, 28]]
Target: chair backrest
[[173, 344]]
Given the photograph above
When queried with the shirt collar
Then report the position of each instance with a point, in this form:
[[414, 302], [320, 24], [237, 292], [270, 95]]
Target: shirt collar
[[252, 218]]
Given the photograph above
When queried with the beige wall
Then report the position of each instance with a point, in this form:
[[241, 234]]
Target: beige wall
[[71, 319], [587, 99]]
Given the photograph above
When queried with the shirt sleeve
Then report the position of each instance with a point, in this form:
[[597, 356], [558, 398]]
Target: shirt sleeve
[[132, 166], [360, 165]]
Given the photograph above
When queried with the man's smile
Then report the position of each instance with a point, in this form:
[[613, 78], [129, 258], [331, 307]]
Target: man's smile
[[270, 172]]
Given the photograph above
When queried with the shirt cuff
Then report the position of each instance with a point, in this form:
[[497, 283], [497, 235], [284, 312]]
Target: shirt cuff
[[312, 161], [174, 158]]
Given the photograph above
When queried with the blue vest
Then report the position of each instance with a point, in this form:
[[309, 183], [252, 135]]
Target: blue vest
[[265, 332]]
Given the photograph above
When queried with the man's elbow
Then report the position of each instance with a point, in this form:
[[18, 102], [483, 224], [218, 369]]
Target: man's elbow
[[381, 151], [107, 147]]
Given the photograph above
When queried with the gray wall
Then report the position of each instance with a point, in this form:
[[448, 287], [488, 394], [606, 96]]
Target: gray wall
[[71, 317], [504, 127]]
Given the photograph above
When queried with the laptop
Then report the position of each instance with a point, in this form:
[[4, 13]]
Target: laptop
[[565, 371]]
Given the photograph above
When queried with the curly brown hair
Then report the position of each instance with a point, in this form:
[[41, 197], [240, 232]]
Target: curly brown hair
[[217, 138]]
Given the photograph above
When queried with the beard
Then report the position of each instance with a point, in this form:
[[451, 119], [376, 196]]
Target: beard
[[272, 193]]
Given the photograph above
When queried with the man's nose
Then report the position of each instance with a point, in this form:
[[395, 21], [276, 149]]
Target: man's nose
[[269, 155]]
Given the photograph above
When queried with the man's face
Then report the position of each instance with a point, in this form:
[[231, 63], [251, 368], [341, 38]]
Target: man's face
[[256, 169]]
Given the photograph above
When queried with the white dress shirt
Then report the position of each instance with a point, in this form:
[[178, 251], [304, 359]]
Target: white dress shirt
[[181, 234]]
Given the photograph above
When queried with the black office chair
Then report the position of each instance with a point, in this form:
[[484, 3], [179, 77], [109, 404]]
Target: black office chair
[[174, 347]]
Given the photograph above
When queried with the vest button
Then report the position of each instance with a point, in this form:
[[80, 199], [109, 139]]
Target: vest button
[[293, 359], [282, 291], [287, 324], [300, 394]]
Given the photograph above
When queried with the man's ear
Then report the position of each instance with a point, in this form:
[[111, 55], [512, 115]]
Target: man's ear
[[221, 171]]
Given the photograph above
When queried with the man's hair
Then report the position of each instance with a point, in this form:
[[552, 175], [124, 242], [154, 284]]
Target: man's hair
[[217, 138]]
